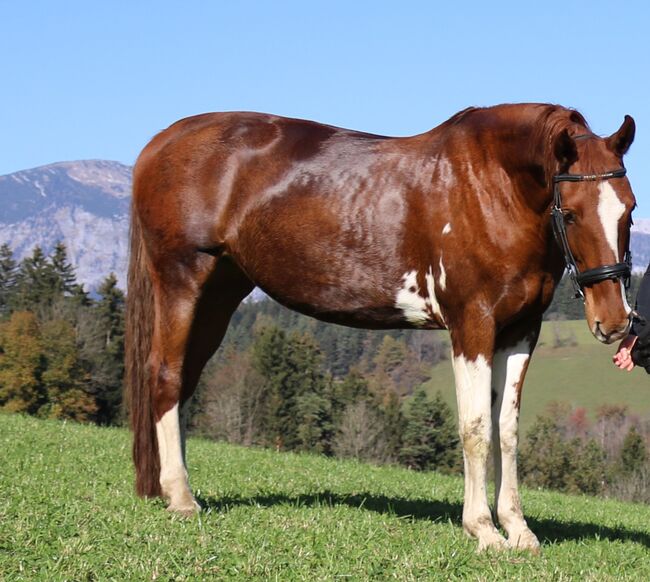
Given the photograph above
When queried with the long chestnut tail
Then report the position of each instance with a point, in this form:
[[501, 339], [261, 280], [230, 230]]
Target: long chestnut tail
[[139, 329]]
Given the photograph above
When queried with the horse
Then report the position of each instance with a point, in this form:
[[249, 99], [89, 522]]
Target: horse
[[467, 227]]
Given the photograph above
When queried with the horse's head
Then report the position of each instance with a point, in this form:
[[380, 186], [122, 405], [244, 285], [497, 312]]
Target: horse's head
[[593, 207]]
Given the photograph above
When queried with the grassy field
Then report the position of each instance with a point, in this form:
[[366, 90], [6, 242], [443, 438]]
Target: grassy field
[[68, 513], [582, 375]]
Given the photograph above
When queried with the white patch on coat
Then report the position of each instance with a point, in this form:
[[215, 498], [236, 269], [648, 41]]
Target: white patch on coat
[[432, 299], [442, 279], [447, 228], [610, 210], [409, 300]]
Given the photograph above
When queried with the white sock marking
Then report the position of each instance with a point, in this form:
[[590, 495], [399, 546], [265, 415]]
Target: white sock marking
[[509, 366], [173, 475], [473, 382]]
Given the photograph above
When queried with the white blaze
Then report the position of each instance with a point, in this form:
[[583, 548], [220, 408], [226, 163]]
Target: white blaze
[[610, 210], [447, 228]]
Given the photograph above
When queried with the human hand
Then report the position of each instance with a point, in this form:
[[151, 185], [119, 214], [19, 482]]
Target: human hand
[[623, 357]]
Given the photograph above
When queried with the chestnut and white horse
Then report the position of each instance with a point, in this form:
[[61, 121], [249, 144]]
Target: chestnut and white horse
[[466, 227]]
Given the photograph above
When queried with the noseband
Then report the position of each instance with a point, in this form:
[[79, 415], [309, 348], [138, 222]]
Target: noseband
[[579, 280]]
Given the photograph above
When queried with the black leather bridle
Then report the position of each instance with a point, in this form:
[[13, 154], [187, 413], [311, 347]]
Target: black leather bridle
[[580, 279]]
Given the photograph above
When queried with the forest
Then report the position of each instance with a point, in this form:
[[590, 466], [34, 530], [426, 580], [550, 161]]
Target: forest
[[288, 382]]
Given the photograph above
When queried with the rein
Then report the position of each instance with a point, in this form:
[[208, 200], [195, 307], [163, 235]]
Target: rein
[[604, 272]]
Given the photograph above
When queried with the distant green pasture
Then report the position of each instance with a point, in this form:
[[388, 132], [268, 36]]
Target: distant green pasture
[[582, 375]]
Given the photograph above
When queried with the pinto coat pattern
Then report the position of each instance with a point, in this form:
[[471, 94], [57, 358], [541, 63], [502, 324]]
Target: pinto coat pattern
[[447, 229]]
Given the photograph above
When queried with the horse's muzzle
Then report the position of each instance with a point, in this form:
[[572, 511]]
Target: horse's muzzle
[[608, 335]]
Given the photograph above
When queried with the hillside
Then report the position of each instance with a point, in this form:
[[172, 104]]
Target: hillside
[[85, 204], [581, 375], [68, 512]]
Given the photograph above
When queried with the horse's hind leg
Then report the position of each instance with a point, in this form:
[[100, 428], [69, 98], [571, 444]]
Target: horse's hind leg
[[514, 346], [192, 316]]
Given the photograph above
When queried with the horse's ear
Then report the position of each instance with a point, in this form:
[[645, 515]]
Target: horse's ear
[[565, 150], [621, 141]]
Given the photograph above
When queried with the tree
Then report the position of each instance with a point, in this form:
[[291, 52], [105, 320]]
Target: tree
[[633, 453], [230, 400], [8, 274], [33, 282], [361, 433], [296, 415], [21, 363], [64, 378], [108, 369], [548, 459], [64, 280], [430, 439]]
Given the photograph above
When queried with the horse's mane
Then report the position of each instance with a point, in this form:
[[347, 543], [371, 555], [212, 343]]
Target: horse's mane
[[553, 120], [539, 123]]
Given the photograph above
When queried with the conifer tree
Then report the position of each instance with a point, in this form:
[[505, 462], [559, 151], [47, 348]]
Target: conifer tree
[[33, 282], [64, 280], [430, 439], [298, 415], [633, 453], [109, 360], [8, 274]]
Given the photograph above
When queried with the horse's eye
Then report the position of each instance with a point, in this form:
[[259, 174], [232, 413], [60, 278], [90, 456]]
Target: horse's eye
[[569, 217]]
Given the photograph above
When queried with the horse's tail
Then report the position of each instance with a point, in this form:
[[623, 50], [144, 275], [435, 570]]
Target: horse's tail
[[139, 329]]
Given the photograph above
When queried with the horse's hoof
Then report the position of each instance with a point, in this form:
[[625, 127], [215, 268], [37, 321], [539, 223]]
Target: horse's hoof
[[184, 509], [524, 540], [492, 542]]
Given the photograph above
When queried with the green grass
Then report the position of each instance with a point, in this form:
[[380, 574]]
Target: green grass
[[581, 375], [68, 512]]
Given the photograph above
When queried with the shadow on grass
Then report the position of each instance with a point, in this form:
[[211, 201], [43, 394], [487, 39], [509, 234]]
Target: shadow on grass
[[547, 530]]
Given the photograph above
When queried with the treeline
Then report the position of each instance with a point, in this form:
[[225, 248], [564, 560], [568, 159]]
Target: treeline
[[280, 389], [61, 350], [287, 381], [564, 450]]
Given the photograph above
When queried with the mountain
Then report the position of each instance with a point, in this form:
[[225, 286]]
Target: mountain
[[86, 204]]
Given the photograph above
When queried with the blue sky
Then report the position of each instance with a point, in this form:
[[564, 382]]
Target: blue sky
[[98, 79]]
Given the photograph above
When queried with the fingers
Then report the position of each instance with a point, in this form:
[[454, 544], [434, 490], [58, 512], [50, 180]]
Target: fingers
[[623, 359]]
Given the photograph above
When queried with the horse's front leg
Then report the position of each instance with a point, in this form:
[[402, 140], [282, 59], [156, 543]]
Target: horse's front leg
[[513, 349], [472, 361]]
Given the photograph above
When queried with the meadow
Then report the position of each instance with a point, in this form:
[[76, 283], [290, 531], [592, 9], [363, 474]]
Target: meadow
[[68, 513], [581, 375]]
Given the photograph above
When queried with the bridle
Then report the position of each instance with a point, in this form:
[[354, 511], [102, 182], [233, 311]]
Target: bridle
[[589, 277]]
